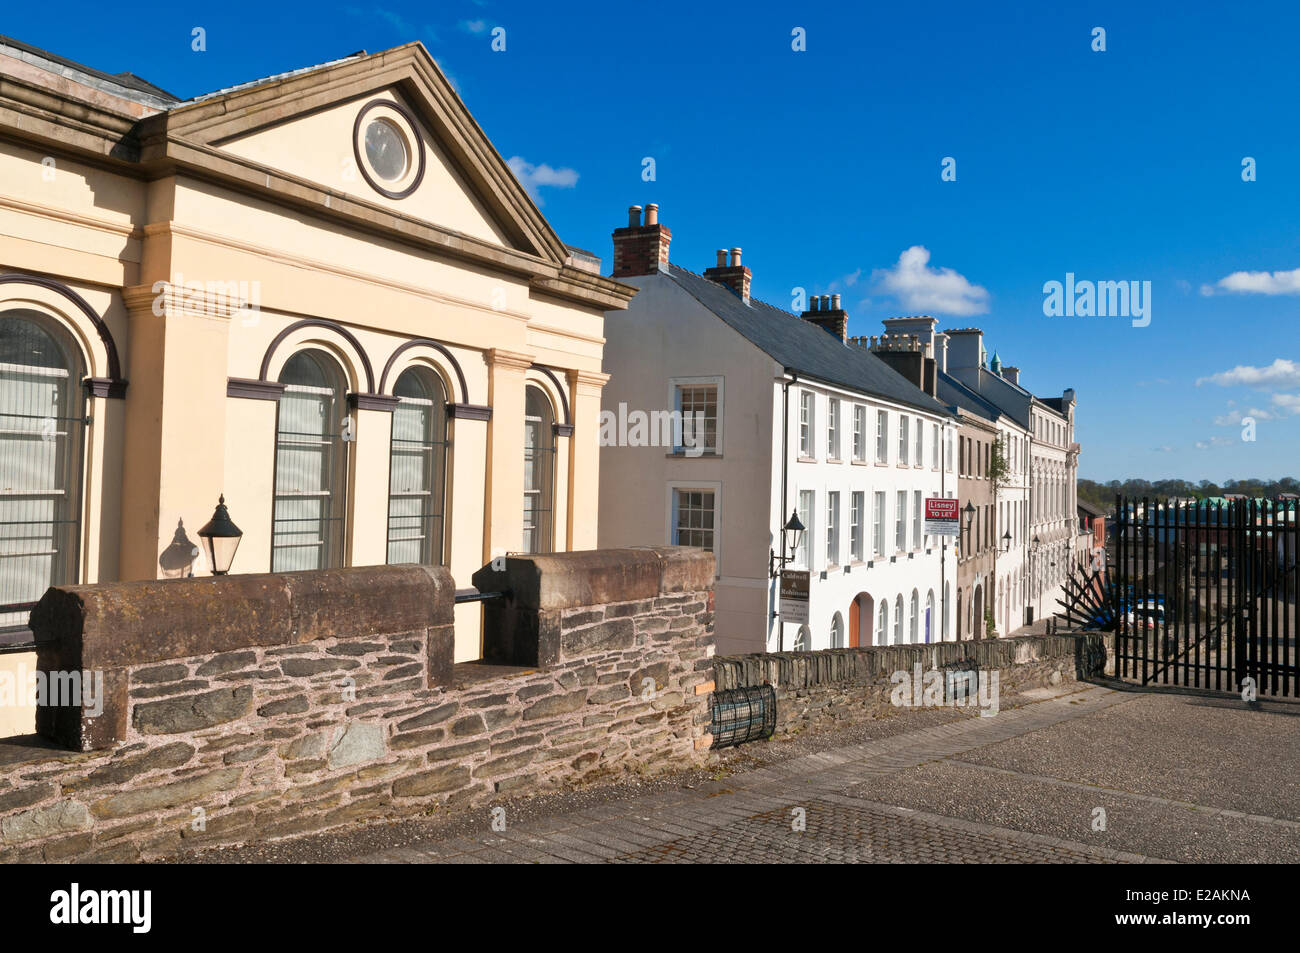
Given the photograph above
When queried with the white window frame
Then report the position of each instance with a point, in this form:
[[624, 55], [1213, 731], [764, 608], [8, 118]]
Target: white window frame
[[904, 443], [833, 528], [900, 521], [919, 446], [857, 503], [806, 507], [880, 506], [882, 436], [832, 428], [675, 384], [860, 433], [670, 505], [807, 419], [916, 518]]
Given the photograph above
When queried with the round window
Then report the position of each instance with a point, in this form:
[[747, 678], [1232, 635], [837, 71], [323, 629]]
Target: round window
[[386, 150]]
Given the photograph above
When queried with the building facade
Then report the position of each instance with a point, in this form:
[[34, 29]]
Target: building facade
[[777, 414], [321, 294]]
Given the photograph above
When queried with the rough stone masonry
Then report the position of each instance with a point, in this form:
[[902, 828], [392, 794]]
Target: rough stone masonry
[[262, 706]]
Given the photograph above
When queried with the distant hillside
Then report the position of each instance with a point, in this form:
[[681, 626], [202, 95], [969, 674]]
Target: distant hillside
[[1103, 494]]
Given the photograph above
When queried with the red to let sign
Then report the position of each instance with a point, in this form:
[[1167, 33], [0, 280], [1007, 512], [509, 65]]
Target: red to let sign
[[941, 517]]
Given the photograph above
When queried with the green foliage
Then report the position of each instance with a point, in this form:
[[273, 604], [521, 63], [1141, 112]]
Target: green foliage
[[999, 472], [1102, 495]]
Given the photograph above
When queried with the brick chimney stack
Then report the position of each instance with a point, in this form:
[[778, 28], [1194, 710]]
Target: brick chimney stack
[[908, 354], [735, 276], [1011, 373], [825, 312], [641, 249]]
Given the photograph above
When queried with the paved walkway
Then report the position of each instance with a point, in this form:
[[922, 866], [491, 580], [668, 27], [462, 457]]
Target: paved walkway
[[816, 808]]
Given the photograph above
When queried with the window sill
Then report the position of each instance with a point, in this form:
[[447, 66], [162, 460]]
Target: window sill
[[805, 459], [861, 463], [682, 454], [834, 460]]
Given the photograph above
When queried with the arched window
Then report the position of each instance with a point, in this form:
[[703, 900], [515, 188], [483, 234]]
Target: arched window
[[417, 469], [914, 619], [898, 620], [539, 471], [929, 618], [837, 632], [803, 641], [42, 412], [882, 624], [309, 522]]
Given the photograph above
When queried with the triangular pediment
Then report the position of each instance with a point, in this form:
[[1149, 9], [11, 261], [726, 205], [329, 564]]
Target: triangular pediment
[[430, 160]]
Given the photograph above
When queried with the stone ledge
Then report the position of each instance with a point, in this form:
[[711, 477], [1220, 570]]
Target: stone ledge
[[114, 625], [599, 576]]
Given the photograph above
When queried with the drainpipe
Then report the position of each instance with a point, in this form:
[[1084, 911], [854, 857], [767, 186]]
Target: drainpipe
[[785, 457]]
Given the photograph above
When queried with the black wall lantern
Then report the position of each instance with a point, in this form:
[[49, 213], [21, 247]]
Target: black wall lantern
[[1006, 541], [793, 530], [220, 539]]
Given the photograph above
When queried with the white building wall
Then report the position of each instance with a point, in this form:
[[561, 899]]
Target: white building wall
[[1013, 517], [667, 334], [1052, 501], [926, 566]]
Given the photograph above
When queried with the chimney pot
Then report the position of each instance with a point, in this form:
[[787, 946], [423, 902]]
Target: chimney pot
[[814, 303], [835, 302], [722, 258], [735, 258], [634, 216], [652, 214]]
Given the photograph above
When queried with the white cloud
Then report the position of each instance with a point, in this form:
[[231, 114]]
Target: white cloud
[[473, 26], [534, 177], [1289, 403], [1214, 442], [1280, 375], [1256, 282], [922, 289], [1234, 417]]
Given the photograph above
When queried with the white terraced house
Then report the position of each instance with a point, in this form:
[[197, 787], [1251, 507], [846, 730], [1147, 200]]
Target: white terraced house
[[796, 419]]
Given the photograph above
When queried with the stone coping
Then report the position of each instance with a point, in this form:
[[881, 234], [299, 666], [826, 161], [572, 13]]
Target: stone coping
[[598, 576], [117, 625]]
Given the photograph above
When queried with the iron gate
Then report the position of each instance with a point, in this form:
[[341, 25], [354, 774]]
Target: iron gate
[[1204, 594]]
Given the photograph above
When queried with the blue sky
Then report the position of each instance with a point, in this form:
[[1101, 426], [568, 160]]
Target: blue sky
[[824, 165]]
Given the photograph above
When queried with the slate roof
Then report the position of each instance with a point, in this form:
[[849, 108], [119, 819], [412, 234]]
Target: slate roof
[[144, 91], [804, 348], [134, 87], [956, 394], [1089, 508]]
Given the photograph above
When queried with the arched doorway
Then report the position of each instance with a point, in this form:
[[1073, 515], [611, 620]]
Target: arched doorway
[[960, 618], [861, 618], [977, 614]]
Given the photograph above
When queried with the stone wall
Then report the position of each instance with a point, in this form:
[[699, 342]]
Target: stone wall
[[830, 687], [257, 707]]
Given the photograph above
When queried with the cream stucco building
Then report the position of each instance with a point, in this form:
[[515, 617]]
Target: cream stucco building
[[322, 294]]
